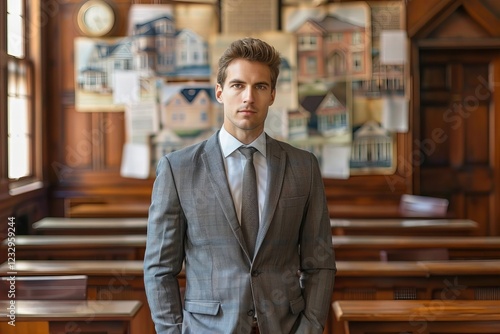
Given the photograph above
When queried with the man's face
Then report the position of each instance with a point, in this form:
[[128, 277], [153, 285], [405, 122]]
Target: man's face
[[246, 96]]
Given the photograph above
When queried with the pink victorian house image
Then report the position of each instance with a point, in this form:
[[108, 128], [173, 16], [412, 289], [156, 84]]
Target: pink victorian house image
[[333, 48]]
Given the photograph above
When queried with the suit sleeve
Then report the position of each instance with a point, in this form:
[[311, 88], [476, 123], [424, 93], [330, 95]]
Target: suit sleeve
[[164, 252], [317, 259]]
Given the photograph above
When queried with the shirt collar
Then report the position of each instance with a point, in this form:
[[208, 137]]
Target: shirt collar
[[229, 144]]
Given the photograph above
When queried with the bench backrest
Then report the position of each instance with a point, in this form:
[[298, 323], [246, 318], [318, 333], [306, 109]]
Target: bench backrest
[[72, 287]]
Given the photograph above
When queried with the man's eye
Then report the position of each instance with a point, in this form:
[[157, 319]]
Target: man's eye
[[236, 85], [261, 87]]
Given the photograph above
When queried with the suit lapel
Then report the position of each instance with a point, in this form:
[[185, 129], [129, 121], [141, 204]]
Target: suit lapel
[[276, 162], [214, 164]]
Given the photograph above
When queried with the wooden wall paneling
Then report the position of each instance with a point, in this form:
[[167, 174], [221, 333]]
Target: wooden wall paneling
[[95, 138], [477, 207], [457, 95], [55, 152], [456, 168], [494, 125], [113, 128], [459, 20], [78, 147], [67, 34], [485, 13], [421, 11], [424, 18]]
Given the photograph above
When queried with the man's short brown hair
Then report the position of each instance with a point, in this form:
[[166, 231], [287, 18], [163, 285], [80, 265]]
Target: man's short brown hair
[[251, 49]]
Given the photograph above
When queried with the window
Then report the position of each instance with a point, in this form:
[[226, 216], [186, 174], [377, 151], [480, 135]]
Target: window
[[357, 62], [307, 43], [356, 38], [20, 160], [311, 65], [336, 37]]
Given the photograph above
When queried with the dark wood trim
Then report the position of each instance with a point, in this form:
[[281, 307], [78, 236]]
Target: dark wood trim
[[421, 23]]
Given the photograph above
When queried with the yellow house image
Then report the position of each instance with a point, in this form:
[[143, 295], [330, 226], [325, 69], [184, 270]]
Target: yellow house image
[[188, 110]]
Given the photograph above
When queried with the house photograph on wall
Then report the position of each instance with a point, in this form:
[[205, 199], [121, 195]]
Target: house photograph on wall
[[112, 72], [340, 45]]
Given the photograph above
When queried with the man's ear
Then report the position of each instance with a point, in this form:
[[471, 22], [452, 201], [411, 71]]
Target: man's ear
[[218, 93], [273, 96]]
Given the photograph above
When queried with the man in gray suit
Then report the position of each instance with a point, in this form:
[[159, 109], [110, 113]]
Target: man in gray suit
[[280, 281]]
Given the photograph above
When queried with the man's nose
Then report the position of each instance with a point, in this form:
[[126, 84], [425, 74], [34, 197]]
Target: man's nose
[[249, 94]]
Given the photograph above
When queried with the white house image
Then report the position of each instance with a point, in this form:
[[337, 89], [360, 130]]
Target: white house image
[[165, 51], [154, 46], [105, 58], [329, 114], [154, 49], [371, 147], [191, 53]]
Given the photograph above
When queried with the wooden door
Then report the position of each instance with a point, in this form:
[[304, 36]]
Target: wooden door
[[456, 141]]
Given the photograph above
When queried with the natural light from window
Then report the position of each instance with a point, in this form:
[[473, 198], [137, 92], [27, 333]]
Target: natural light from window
[[19, 129], [15, 31]]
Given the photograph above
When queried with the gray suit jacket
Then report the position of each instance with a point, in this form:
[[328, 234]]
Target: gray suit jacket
[[192, 218]]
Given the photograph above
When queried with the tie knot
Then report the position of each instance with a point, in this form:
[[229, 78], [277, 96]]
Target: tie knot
[[248, 151]]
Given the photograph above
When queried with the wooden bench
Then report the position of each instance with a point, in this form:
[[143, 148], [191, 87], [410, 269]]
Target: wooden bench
[[418, 316], [106, 280], [91, 226], [79, 247], [443, 280], [412, 227], [469, 279], [362, 248], [108, 210], [354, 280], [68, 316], [44, 287]]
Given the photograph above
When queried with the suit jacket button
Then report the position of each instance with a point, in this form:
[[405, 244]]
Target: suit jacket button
[[251, 313], [255, 273]]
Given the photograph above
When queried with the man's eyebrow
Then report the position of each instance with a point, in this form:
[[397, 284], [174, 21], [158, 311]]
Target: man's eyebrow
[[242, 82], [236, 81]]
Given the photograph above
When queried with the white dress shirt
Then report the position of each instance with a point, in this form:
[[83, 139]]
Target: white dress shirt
[[234, 162]]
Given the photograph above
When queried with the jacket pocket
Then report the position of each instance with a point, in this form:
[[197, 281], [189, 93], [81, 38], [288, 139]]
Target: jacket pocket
[[202, 307], [297, 305], [292, 201]]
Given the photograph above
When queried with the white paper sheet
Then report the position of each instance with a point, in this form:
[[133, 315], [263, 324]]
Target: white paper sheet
[[126, 87], [335, 161], [393, 47], [395, 113], [141, 120], [135, 161]]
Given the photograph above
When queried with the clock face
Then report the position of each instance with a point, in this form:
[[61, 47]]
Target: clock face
[[96, 18]]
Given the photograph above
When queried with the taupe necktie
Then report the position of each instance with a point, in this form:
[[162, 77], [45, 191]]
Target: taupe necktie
[[249, 201]]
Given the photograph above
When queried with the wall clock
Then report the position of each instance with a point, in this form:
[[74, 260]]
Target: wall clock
[[96, 18]]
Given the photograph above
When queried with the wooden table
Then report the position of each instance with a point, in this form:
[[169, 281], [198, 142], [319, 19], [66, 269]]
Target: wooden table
[[89, 316], [360, 248], [419, 316], [79, 247], [423, 227], [91, 226]]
